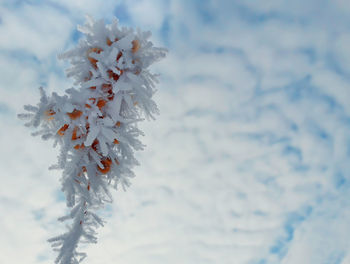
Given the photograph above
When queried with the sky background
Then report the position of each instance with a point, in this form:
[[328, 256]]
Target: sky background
[[248, 162]]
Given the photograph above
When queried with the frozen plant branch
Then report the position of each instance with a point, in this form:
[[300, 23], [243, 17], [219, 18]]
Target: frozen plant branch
[[95, 124]]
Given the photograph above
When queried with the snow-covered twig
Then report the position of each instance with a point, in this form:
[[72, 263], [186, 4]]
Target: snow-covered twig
[[96, 123]]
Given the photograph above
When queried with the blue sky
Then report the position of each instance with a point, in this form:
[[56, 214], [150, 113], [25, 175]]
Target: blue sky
[[248, 161]]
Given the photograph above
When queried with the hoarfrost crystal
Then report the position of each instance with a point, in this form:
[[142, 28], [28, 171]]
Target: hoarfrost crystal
[[96, 123]]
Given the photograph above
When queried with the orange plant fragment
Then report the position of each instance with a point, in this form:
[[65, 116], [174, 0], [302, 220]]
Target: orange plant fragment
[[62, 129], [74, 134], [135, 46], [108, 42], [120, 54], [93, 100], [107, 87], [94, 144], [75, 114], [49, 114], [101, 103], [106, 164], [79, 146], [116, 141], [83, 170], [93, 61], [113, 75]]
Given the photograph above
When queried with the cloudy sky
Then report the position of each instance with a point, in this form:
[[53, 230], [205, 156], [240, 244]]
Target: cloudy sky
[[248, 162]]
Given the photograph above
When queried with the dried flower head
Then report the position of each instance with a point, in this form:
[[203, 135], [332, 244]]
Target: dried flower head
[[96, 123]]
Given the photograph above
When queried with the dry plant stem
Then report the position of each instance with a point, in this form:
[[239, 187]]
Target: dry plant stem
[[96, 124]]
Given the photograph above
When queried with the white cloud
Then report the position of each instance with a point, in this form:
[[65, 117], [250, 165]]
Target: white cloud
[[330, 220], [147, 14], [38, 30], [244, 140], [342, 51]]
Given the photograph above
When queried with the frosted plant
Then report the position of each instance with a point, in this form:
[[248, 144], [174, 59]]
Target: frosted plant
[[96, 124]]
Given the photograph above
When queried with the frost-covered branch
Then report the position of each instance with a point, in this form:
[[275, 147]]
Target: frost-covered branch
[[95, 124]]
